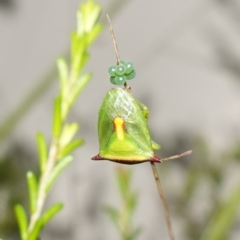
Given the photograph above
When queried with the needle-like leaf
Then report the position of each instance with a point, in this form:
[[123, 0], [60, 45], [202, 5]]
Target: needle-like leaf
[[53, 210], [42, 151], [57, 118], [62, 164], [22, 220], [33, 190]]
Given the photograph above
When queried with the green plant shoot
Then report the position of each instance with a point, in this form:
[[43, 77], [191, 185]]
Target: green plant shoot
[[122, 216], [55, 158]]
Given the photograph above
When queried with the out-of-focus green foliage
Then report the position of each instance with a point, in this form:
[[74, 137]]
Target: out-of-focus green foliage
[[207, 171], [12, 186], [219, 225], [22, 220], [123, 217]]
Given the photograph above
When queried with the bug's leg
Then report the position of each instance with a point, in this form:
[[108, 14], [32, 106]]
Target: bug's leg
[[155, 145], [145, 112], [144, 109]]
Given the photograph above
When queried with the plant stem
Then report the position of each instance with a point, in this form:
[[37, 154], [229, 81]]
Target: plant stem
[[52, 158], [164, 202]]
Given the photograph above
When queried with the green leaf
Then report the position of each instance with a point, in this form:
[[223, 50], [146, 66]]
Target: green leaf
[[79, 55], [88, 14], [42, 151], [78, 87], [81, 64], [87, 30], [192, 180], [33, 190], [63, 74], [44, 220], [94, 33], [113, 214], [68, 132], [70, 147], [224, 217], [124, 180], [35, 232], [53, 210], [74, 46], [136, 233], [77, 45], [22, 220], [62, 164], [132, 202], [57, 119]]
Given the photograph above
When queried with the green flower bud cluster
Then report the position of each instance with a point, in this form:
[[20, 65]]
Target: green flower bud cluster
[[121, 73]]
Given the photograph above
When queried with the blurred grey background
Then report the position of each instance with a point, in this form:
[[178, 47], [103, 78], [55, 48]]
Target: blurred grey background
[[186, 55]]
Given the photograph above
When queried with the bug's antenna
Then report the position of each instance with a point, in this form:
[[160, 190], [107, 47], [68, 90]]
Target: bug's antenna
[[114, 40]]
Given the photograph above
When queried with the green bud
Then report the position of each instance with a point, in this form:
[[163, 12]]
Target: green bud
[[112, 71], [120, 70], [131, 75], [129, 67], [112, 80], [120, 80]]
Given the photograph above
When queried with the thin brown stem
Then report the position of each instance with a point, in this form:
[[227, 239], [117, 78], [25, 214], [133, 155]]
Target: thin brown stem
[[160, 190], [114, 40], [126, 87], [164, 202]]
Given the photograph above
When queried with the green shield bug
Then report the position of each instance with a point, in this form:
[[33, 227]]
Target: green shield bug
[[123, 131]]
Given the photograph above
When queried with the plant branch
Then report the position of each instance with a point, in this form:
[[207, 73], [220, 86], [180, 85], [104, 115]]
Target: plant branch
[[160, 190], [114, 40], [63, 133], [42, 193], [164, 202]]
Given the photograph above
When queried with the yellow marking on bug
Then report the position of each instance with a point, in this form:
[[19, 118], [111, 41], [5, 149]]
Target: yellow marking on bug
[[118, 122]]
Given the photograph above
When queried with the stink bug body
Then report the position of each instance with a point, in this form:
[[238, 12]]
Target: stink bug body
[[123, 131]]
